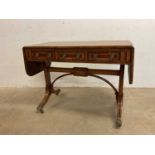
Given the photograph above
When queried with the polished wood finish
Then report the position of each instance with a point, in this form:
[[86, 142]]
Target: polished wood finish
[[38, 58]]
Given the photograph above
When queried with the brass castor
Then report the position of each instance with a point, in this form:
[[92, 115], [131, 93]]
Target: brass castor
[[57, 91], [118, 123], [39, 110]]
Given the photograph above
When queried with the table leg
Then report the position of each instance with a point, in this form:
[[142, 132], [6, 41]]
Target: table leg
[[48, 91], [119, 97]]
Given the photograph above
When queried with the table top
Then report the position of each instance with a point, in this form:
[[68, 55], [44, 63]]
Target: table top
[[107, 43]]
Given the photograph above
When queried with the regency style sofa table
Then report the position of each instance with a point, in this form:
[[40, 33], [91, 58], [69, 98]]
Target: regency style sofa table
[[38, 58]]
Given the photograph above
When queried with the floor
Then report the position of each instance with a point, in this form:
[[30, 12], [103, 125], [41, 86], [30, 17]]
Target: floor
[[78, 111]]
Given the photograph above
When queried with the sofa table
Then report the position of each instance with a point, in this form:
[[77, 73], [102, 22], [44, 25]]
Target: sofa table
[[38, 58]]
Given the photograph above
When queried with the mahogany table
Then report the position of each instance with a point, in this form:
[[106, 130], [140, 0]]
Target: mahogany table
[[38, 58]]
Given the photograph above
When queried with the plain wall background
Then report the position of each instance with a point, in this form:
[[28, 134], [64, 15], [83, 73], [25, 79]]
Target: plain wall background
[[14, 34]]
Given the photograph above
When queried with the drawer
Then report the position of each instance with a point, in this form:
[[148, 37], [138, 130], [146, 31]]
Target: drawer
[[104, 56], [40, 54], [69, 55]]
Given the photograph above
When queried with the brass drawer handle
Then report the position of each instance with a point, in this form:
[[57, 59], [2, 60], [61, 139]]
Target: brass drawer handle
[[113, 56], [48, 55], [78, 55], [37, 55], [75, 56], [63, 55], [99, 56], [95, 56]]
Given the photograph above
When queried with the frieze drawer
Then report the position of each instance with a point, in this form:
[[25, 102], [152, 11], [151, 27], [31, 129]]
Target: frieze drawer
[[40, 55], [69, 55], [104, 56]]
